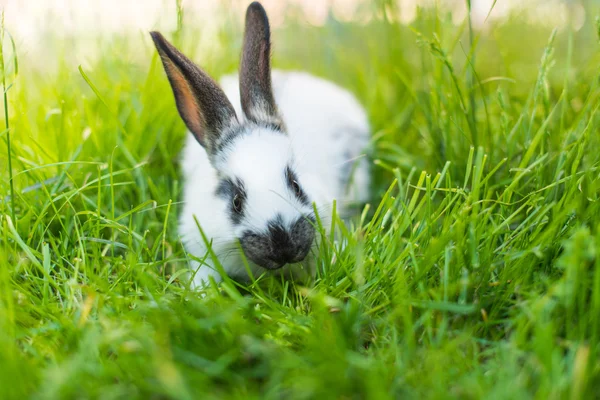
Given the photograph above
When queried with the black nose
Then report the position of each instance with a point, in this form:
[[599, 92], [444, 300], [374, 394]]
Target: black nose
[[281, 244], [293, 244]]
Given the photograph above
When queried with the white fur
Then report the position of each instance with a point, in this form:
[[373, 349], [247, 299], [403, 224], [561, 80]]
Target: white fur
[[268, 153], [327, 129]]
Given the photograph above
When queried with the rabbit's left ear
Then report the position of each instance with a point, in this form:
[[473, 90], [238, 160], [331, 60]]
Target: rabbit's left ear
[[256, 94], [201, 103]]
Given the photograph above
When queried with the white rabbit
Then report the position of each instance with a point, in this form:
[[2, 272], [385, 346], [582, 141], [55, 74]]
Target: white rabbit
[[259, 154]]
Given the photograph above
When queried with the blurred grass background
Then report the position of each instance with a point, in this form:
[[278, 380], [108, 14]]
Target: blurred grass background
[[473, 273]]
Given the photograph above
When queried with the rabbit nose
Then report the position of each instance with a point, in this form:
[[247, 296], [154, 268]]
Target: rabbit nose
[[293, 245], [282, 245], [288, 254], [279, 245]]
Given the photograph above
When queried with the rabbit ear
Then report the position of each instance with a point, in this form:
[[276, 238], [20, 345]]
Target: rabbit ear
[[256, 95], [202, 104]]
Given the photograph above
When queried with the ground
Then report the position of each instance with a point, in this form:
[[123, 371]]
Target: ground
[[473, 272]]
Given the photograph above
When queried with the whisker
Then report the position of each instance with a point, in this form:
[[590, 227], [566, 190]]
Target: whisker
[[350, 160]]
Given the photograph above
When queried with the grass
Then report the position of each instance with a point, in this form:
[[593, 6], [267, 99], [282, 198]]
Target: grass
[[474, 272]]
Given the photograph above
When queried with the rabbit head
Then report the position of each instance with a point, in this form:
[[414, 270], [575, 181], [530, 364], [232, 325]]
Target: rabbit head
[[266, 203]]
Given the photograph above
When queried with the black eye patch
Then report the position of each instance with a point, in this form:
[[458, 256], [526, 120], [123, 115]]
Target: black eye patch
[[294, 185], [235, 194]]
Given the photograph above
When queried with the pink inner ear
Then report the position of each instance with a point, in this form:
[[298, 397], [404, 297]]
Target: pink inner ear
[[186, 101]]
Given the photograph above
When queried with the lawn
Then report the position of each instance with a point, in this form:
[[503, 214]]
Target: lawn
[[473, 272]]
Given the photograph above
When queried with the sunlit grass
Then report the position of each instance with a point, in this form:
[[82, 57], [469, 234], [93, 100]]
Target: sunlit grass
[[472, 273]]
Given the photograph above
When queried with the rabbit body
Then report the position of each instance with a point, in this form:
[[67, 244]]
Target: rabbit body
[[328, 131]]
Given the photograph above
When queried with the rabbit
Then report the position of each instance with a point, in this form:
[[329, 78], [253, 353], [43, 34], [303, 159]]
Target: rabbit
[[264, 150]]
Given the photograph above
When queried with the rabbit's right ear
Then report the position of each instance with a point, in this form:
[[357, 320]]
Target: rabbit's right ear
[[201, 103], [256, 94]]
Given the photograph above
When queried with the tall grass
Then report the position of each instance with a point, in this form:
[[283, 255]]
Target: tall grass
[[472, 273], [6, 120]]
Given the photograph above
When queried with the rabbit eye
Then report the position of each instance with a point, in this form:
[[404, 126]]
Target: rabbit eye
[[296, 188], [237, 203]]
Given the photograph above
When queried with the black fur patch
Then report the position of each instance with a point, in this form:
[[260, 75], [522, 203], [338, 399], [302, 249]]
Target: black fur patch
[[228, 137], [228, 190], [277, 127], [290, 178], [279, 245]]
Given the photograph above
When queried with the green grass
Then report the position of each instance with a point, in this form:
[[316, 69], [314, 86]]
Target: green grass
[[473, 273]]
